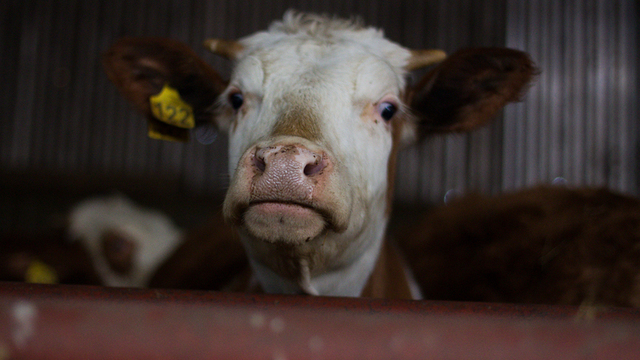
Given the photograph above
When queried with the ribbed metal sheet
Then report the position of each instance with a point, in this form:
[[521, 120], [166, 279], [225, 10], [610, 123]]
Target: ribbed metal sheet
[[580, 122], [59, 112]]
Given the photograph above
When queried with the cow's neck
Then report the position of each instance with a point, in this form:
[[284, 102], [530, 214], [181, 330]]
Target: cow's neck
[[389, 279], [334, 264]]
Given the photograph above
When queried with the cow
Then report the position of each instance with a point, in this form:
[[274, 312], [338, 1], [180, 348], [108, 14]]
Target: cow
[[126, 242], [45, 257], [316, 110], [543, 245], [209, 257]]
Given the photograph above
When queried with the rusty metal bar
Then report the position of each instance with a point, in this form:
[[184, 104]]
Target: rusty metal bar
[[74, 322]]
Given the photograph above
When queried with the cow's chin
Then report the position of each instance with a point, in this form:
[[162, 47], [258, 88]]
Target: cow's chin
[[283, 223]]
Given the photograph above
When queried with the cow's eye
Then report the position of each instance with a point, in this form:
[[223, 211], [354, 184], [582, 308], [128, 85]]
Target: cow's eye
[[387, 110], [236, 100]]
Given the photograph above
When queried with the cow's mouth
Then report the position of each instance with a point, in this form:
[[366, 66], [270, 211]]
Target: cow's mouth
[[284, 222]]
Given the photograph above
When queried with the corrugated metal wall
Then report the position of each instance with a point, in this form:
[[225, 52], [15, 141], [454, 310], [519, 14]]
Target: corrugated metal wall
[[59, 113], [580, 122]]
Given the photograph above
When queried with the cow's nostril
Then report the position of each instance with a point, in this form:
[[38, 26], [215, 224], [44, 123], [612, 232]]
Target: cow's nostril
[[258, 162], [287, 160], [313, 168]]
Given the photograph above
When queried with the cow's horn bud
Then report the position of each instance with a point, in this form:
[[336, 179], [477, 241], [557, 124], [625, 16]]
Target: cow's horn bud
[[423, 58], [227, 48]]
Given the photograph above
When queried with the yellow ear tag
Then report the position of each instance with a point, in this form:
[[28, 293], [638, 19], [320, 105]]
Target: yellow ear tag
[[40, 273], [168, 107]]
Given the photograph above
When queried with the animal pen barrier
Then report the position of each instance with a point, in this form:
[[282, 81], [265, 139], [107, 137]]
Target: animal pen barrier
[[79, 322]]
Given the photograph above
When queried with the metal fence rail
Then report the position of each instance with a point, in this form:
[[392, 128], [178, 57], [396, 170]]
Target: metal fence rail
[[67, 322]]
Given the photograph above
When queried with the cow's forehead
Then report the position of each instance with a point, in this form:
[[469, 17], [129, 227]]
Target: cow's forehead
[[321, 53], [295, 29], [309, 66]]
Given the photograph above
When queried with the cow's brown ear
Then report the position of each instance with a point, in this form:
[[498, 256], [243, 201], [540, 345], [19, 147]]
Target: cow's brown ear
[[166, 81], [469, 88]]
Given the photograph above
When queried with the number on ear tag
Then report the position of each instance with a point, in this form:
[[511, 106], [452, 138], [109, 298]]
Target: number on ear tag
[[168, 107]]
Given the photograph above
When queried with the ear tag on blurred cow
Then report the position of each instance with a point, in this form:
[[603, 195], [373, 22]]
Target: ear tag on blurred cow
[[168, 107], [40, 273]]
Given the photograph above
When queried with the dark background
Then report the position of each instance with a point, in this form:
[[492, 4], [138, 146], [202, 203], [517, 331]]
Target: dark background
[[65, 133]]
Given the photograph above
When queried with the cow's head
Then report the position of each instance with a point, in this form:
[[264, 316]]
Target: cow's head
[[315, 110], [125, 241]]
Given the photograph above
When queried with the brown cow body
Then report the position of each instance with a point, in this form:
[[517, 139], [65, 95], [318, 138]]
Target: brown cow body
[[546, 245]]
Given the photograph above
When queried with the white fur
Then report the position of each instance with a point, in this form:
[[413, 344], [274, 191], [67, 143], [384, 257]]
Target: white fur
[[155, 235], [337, 70]]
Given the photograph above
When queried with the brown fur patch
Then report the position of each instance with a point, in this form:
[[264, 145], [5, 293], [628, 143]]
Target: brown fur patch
[[298, 121], [546, 245], [119, 251], [397, 125], [139, 67], [388, 279], [470, 87], [210, 257]]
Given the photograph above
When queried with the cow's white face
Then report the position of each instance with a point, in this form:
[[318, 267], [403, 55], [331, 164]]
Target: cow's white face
[[315, 114], [325, 103]]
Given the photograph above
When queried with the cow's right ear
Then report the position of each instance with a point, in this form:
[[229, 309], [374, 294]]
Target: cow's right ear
[[167, 82], [468, 89]]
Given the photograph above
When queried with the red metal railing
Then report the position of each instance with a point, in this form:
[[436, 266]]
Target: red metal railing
[[76, 322]]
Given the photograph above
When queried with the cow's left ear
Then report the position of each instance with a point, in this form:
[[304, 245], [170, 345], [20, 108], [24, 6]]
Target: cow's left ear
[[468, 89], [167, 82]]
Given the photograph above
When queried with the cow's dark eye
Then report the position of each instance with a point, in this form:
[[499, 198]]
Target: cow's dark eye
[[387, 110], [236, 100]]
